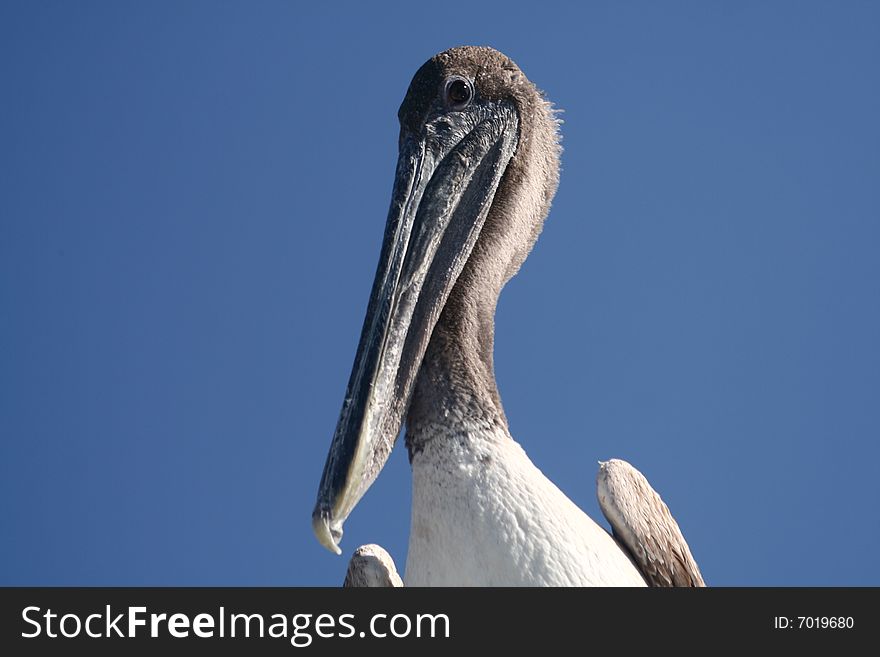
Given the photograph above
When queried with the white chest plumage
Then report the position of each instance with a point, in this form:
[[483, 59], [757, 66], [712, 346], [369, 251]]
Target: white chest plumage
[[484, 515]]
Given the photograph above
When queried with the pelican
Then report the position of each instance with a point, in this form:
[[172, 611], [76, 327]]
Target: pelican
[[478, 167]]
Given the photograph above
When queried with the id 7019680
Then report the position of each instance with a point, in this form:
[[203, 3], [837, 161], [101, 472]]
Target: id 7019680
[[813, 622]]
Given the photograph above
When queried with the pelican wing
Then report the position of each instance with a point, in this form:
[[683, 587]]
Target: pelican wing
[[371, 566], [643, 525]]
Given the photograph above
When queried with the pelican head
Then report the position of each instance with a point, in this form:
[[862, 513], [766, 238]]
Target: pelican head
[[478, 165]]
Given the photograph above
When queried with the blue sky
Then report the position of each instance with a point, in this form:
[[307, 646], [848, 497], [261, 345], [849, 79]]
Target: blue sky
[[192, 199]]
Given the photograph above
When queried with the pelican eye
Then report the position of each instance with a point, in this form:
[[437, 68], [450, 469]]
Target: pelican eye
[[459, 92]]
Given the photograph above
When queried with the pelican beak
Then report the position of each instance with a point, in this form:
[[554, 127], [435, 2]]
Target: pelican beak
[[446, 179]]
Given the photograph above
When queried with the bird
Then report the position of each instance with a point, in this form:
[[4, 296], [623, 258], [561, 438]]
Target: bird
[[478, 167]]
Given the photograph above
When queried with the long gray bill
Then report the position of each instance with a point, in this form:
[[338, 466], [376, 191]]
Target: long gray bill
[[442, 193]]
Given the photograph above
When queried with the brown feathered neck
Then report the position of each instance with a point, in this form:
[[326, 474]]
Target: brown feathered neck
[[456, 385]]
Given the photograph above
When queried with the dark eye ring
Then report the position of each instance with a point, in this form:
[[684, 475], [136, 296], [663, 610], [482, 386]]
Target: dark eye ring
[[459, 92]]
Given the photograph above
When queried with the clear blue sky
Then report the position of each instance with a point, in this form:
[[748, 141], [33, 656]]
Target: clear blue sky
[[192, 199]]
